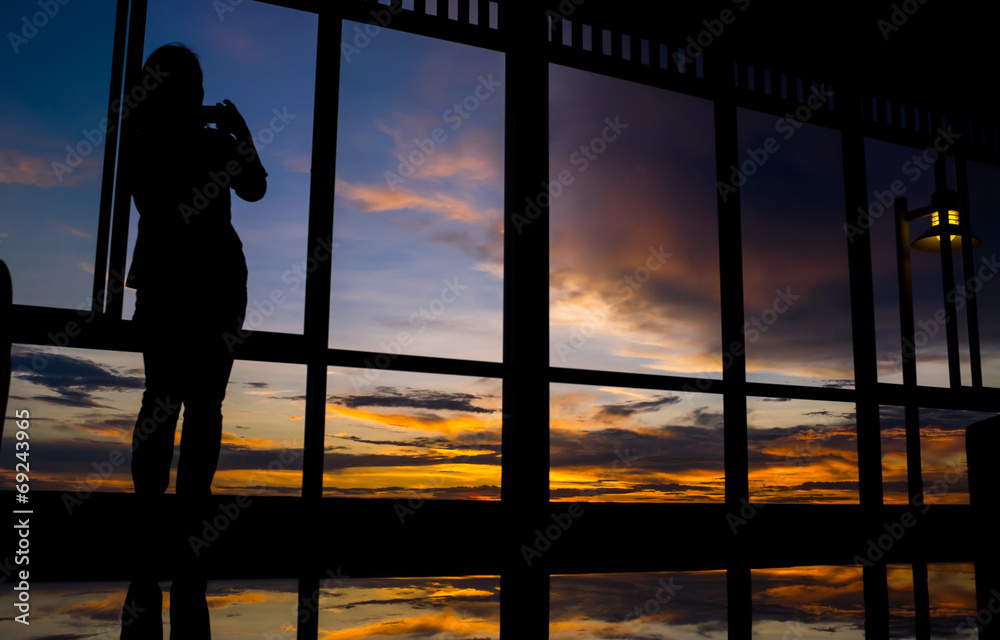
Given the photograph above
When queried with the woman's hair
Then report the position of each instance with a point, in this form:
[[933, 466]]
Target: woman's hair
[[172, 80]]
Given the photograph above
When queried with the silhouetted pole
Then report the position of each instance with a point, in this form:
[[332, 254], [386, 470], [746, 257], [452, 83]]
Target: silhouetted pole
[[948, 277], [6, 301], [982, 441], [908, 362], [524, 608]]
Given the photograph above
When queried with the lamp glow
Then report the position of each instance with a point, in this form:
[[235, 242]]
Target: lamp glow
[[930, 241]]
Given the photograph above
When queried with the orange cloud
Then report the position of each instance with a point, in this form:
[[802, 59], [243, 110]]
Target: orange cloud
[[377, 198], [425, 478], [254, 443], [110, 608], [17, 167], [470, 167], [247, 597], [232, 481], [447, 621], [65, 228], [447, 426], [300, 163]]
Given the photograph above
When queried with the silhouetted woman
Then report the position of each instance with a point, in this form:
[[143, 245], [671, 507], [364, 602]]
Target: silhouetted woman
[[188, 266]]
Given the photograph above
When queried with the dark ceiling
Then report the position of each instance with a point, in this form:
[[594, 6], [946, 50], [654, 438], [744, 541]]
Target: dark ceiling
[[944, 51]]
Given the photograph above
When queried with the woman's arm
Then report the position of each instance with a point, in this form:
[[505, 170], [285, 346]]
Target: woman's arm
[[250, 182]]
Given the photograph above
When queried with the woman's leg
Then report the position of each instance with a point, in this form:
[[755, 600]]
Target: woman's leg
[[153, 435], [209, 366], [201, 436]]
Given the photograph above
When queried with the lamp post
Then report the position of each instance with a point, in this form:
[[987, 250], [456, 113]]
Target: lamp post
[[949, 233], [945, 236]]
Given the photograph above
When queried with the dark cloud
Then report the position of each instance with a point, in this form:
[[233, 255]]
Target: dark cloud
[[438, 493], [664, 488], [491, 443], [334, 461], [118, 428], [699, 598], [76, 399], [465, 601], [261, 488], [848, 416], [839, 384], [411, 398], [842, 484], [704, 417], [896, 486], [236, 456], [74, 379], [73, 463], [779, 446], [624, 409], [257, 385], [673, 449], [949, 419]]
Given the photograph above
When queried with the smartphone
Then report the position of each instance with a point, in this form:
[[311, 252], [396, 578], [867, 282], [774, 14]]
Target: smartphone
[[212, 114]]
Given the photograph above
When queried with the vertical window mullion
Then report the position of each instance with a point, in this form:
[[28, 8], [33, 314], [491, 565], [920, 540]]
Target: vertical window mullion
[[123, 190], [110, 158], [968, 269], [869, 442], [740, 619], [318, 281], [525, 436]]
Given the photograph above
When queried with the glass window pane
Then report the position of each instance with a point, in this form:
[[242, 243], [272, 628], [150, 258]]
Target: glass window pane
[[418, 260], [462, 608], [802, 451], [54, 99], [944, 468], [634, 263], [795, 272], [264, 608], [898, 171], [263, 430], [952, 590], [262, 58], [653, 606], [83, 406], [808, 603], [895, 488], [634, 445], [412, 435], [902, 609]]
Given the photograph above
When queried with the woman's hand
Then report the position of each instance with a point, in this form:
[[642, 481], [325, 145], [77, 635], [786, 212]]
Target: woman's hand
[[232, 121], [251, 184]]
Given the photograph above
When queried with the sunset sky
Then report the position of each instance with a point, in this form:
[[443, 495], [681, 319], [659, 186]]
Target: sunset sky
[[418, 268], [613, 444], [405, 433]]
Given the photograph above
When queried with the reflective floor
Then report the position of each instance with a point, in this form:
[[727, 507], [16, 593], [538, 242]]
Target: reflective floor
[[802, 602]]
